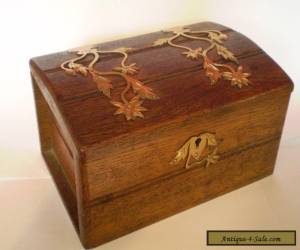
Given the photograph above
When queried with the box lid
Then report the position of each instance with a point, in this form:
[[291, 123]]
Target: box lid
[[175, 76], [111, 90]]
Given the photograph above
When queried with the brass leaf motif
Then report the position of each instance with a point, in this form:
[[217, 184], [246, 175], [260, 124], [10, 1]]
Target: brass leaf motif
[[160, 42], [130, 69], [78, 68], [142, 90], [103, 84], [131, 109], [218, 37], [225, 53], [193, 53], [198, 150], [211, 71], [214, 71], [238, 78]]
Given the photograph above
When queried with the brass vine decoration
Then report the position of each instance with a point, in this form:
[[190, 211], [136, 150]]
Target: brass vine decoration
[[130, 108], [215, 40], [198, 150]]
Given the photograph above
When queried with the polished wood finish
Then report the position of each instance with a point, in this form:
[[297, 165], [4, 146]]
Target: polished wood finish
[[114, 175]]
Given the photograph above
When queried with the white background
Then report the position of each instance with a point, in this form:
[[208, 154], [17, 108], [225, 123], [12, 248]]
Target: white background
[[32, 215]]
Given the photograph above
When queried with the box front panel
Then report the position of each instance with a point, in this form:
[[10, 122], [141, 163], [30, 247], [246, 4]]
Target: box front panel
[[142, 158], [156, 201]]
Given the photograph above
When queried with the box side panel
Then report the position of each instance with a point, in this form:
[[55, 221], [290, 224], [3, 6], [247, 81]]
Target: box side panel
[[141, 158], [57, 155], [154, 202], [65, 156]]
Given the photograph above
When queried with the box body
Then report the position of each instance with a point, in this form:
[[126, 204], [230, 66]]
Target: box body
[[203, 134]]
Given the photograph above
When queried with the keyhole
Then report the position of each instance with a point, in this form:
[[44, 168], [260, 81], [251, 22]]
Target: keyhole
[[197, 142]]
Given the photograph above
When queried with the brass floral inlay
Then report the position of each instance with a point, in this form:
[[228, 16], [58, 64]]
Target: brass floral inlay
[[134, 91], [130, 108], [201, 149], [214, 39]]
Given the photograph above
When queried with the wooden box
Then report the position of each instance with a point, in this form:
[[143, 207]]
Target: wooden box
[[138, 129]]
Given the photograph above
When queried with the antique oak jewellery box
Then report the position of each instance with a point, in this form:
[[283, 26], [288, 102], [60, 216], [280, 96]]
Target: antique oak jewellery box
[[136, 130]]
